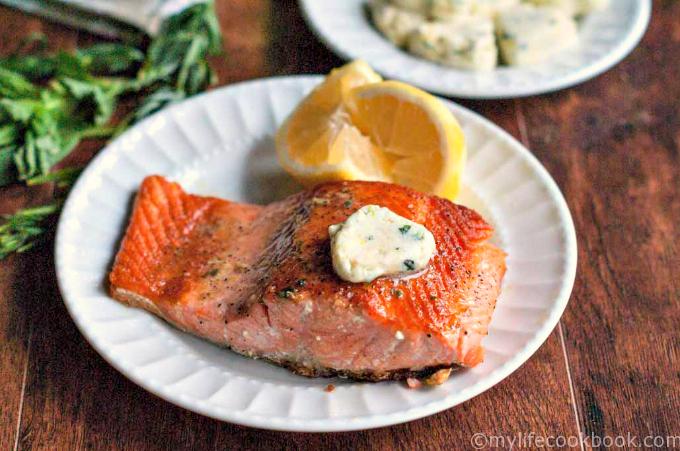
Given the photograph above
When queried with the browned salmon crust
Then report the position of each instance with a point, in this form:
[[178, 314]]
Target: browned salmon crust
[[259, 280]]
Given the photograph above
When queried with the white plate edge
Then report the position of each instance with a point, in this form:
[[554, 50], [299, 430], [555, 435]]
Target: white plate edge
[[588, 72], [329, 425]]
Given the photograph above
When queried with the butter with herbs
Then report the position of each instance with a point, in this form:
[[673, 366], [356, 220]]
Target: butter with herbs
[[529, 35], [466, 42], [396, 23], [374, 241]]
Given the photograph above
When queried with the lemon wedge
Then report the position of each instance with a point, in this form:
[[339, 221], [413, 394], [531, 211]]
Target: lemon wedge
[[415, 131], [318, 143], [354, 126]]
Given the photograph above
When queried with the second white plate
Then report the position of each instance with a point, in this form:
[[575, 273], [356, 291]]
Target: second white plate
[[220, 143], [605, 38]]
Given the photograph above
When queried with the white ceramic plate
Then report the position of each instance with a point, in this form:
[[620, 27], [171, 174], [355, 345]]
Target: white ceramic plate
[[606, 37], [220, 143]]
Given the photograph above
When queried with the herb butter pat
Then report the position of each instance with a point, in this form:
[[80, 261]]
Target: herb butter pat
[[374, 241], [462, 41], [528, 35]]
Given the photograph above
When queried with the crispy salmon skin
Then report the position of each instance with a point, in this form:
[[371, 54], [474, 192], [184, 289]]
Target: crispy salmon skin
[[259, 280]]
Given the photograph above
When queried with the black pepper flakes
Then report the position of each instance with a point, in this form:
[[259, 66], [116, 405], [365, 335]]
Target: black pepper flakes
[[409, 264]]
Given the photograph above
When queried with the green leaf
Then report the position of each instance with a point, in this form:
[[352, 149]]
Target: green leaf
[[110, 58], [98, 132], [69, 65], [106, 102], [32, 67], [199, 78], [25, 158], [19, 110], [38, 153], [78, 89], [195, 53], [15, 86], [7, 168], [47, 150], [45, 120], [156, 101], [199, 18], [94, 103], [100, 59], [165, 58], [8, 134], [65, 177], [177, 56]]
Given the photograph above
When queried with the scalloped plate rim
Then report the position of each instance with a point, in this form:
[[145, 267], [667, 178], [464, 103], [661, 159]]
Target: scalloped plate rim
[[325, 424], [586, 72]]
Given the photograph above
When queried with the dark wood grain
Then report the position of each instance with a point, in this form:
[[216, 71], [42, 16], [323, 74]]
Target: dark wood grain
[[15, 324], [15, 319], [612, 146]]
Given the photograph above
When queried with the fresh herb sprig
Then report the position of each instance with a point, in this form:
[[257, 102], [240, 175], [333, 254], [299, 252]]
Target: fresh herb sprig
[[101, 59], [176, 64], [51, 102], [63, 178], [42, 123], [25, 228]]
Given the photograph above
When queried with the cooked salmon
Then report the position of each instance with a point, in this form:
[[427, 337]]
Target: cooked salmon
[[259, 280]]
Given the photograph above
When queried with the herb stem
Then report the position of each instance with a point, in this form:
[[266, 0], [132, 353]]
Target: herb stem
[[25, 228], [63, 177], [98, 132]]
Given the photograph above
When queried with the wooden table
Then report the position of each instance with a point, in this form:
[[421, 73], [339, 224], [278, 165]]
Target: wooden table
[[610, 368]]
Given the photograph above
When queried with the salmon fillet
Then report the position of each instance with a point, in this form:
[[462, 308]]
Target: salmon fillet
[[259, 280]]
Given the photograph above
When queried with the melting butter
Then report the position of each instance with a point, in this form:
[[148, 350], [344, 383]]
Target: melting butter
[[374, 241]]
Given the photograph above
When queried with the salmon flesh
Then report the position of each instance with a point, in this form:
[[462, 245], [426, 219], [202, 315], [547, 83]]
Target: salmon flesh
[[260, 280]]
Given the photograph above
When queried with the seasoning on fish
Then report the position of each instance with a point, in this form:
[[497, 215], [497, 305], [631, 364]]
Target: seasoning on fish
[[260, 280]]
